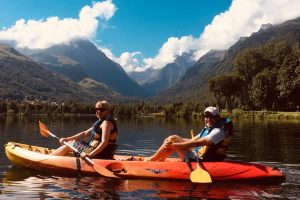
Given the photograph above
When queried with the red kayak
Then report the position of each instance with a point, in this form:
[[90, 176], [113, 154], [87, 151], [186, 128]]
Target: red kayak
[[134, 167]]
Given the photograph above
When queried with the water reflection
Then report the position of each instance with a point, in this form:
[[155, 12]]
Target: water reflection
[[266, 141], [44, 186]]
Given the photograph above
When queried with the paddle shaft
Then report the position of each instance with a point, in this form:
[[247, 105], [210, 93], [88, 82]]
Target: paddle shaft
[[73, 148], [197, 157], [101, 170], [198, 161], [199, 175]]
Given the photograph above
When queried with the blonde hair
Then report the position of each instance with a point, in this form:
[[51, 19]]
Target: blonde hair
[[103, 104]]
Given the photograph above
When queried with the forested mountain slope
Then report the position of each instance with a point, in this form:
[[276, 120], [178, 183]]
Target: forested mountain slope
[[194, 83]]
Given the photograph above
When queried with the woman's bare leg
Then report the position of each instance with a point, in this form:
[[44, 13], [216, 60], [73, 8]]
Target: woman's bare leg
[[62, 151]]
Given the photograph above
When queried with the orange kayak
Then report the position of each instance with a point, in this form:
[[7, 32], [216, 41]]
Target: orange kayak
[[134, 167]]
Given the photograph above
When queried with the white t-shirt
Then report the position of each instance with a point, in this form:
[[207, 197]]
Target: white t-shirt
[[216, 135]]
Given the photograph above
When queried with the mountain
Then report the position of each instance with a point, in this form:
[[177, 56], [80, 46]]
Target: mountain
[[100, 89], [81, 59], [169, 75], [196, 76], [195, 82], [22, 78], [142, 77], [156, 80]]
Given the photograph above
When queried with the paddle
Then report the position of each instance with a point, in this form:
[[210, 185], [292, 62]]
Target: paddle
[[101, 170], [199, 175]]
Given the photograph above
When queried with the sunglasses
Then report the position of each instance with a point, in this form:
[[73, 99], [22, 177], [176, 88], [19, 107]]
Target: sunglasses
[[100, 109], [209, 116]]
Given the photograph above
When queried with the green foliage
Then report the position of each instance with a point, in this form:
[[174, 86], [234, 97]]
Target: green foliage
[[179, 109], [268, 77], [288, 83], [227, 86], [262, 90], [3, 107], [275, 52], [248, 63]]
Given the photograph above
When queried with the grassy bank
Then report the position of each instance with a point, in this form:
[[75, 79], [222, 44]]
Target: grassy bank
[[239, 114], [263, 115]]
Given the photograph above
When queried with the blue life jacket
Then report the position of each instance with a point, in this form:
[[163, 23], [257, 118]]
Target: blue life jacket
[[217, 152]]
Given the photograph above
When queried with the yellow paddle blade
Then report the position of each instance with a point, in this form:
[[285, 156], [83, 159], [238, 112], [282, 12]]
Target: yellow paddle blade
[[200, 176], [44, 129]]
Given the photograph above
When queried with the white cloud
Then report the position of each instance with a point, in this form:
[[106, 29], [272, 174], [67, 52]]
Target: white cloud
[[240, 20], [36, 34], [107, 52], [134, 61], [244, 18], [172, 48], [130, 61]]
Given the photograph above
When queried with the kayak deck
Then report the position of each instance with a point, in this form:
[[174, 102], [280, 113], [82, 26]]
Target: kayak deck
[[134, 167]]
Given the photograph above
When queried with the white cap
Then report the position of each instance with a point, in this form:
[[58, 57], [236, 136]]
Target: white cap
[[212, 110]]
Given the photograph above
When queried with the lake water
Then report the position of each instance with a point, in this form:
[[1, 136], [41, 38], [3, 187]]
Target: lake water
[[273, 143]]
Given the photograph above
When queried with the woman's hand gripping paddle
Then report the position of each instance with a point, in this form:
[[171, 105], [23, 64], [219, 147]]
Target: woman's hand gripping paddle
[[101, 170], [199, 175]]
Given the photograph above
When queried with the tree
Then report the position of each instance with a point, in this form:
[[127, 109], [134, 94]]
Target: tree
[[276, 52], [249, 63], [2, 107], [227, 86], [29, 108], [263, 90], [11, 107], [288, 81]]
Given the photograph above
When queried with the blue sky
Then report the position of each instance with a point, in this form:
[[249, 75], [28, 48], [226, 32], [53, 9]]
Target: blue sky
[[144, 25], [140, 34], [137, 25]]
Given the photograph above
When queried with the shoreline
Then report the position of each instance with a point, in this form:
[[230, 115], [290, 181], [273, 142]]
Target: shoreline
[[235, 114], [239, 114], [269, 115]]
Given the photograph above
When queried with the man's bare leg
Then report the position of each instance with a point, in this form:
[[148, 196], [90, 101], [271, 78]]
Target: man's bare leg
[[163, 152]]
